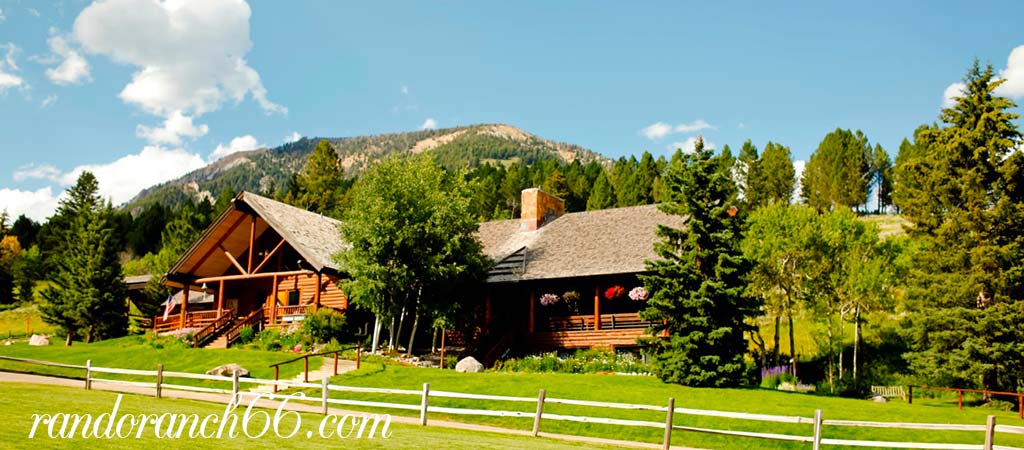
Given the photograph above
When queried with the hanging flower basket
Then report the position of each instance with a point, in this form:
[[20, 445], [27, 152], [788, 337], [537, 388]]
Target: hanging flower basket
[[614, 292], [571, 296], [639, 294], [548, 299]]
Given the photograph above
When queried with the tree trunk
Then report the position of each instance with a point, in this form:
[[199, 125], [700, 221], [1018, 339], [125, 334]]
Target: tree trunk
[[792, 344], [775, 346], [391, 334], [88, 334], [433, 342], [376, 333], [412, 335], [856, 340], [831, 357], [67, 343], [398, 332]]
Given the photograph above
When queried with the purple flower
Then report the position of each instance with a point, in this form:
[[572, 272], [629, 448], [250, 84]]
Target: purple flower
[[548, 299]]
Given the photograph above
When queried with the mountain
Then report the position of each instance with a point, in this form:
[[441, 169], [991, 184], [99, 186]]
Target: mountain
[[269, 169]]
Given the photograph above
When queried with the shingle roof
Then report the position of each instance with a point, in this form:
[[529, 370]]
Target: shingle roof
[[316, 237], [579, 244]]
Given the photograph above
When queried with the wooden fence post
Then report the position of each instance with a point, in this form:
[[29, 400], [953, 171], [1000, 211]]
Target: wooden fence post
[[990, 432], [359, 352], [276, 370], [323, 394], [960, 399], [423, 404], [234, 387], [1020, 406], [335, 363], [88, 374], [910, 394], [305, 376], [540, 411], [667, 442], [159, 379], [816, 444]]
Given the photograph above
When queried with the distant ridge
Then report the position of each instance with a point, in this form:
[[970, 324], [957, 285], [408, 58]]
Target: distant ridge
[[268, 169]]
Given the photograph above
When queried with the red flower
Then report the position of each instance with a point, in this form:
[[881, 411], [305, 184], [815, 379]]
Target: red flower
[[614, 292]]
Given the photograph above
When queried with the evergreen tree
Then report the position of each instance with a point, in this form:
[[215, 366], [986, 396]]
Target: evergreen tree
[[639, 189], [26, 230], [839, 171], [10, 252], [603, 195], [697, 286], [745, 173], [88, 294], [556, 184], [775, 176], [320, 185], [881, 168]]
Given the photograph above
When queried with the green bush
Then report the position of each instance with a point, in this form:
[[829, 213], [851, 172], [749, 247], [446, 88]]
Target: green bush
[[323, 325], [273, 339], [773, 381], [246, 335]]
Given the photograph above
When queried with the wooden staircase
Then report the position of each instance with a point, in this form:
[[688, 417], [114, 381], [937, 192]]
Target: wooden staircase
[[220, 342]]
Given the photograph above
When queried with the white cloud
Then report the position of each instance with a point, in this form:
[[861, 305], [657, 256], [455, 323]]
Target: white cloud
[[659, 130], [124, 178], [37, 171], [48, 101], [190, 55], [37, 205], [8, 67], [295, 136], [429, 124], [1013, 74], [238, 144], [175, 127], [3, 17], [951, 93], [689, 145], [405, 90], [73, 69], [34, 12]]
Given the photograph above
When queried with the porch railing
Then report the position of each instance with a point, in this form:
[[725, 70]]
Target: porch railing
[[285, 314], [254, 320], [210, 331], [197, 319], [586, 322]]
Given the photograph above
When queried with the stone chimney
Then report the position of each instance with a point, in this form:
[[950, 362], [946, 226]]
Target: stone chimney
[[539, 207]]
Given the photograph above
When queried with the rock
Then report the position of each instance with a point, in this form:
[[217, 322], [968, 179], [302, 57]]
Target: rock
[[879, 399], [228, 369], [469, 364], [38, 339]]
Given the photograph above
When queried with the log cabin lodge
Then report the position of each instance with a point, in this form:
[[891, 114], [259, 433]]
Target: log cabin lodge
[[263, 263]]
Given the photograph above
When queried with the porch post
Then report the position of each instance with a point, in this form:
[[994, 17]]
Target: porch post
[[597, 308], [252, 243], [184, 306], [316, 295], [273, 303], [220, 299], [533, 299], [487, 313]]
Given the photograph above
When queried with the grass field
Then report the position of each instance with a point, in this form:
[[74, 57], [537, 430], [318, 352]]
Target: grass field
[[20, 401], [649, 390], [135, 352], [12, 323]]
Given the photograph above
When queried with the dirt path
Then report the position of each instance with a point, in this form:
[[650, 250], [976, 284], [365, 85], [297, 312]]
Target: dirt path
[[8, 377]]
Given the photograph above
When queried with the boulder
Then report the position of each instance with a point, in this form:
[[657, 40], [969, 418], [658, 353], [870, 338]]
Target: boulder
[[879, 399], [38, 339], [469, 364], [228, 369]]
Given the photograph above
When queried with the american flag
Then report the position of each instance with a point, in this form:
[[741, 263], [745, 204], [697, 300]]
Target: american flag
[[170, 305]]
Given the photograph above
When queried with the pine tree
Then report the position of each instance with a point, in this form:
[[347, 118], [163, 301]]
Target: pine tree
[[881, 168], [320, 184], [88, 295], [838, 172], [638, 190], [775, 176], [602, 196], [697, 286], [556, 184]]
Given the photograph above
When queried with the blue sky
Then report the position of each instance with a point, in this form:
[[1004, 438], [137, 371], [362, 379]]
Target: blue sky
[[141, 92]]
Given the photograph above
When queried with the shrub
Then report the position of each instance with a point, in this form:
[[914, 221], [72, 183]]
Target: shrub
[[323, 325], [583, 361], [773, 381], [246, 335]]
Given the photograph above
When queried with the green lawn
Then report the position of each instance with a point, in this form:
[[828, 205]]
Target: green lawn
[[12, 323], [135, 352], [649, 390], [21, 401]]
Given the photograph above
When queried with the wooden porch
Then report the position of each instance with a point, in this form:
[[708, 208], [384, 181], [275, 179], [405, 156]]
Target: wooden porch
[[587, 331], [271, 317]]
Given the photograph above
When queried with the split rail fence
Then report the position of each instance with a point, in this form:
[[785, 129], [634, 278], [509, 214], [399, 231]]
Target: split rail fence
[[990, 428]]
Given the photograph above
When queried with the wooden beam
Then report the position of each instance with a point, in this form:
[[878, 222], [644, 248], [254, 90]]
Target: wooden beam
[[267, 258], [597, 308], [487, 313], [252, 243], [533, 299], [219, 242], [316, 294], [273, 302], [184, 306], [220, 299], [253, 276], [234, 261]]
